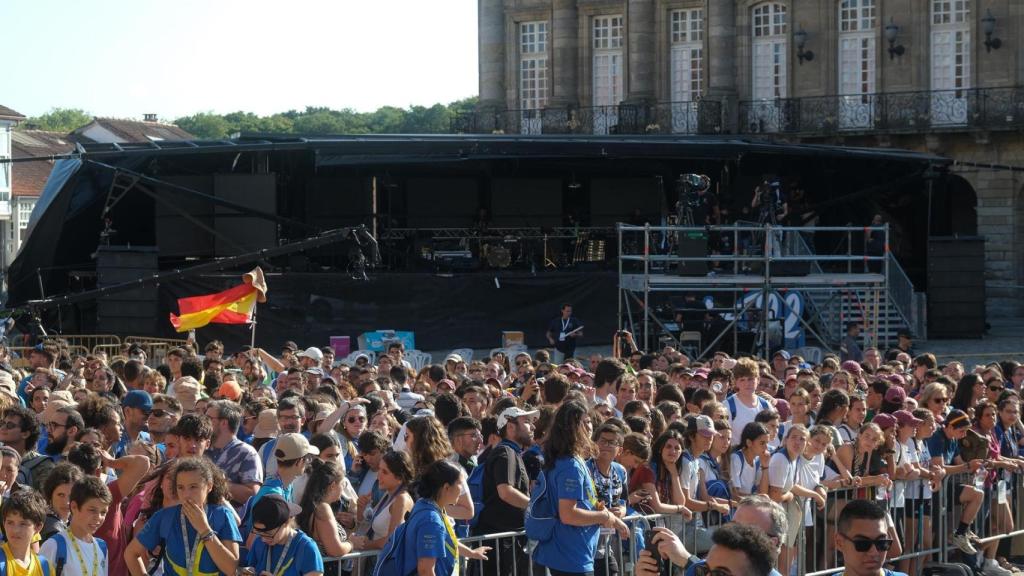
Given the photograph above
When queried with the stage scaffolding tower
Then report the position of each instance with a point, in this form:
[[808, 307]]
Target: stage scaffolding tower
[[778, 260]]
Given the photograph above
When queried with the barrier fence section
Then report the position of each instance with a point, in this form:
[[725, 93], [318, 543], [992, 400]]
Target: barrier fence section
[[922, 521]]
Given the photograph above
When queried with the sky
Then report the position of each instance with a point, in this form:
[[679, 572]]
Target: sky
[[126, 58]]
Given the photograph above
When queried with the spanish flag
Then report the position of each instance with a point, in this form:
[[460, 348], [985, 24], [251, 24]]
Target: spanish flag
[[232, 306]]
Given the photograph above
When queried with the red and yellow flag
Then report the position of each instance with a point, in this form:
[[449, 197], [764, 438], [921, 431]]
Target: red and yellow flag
[[232, 306]]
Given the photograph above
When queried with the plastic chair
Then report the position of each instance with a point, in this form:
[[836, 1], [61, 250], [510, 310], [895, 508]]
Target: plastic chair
[[351, 358], [812, 354], [418, 359]]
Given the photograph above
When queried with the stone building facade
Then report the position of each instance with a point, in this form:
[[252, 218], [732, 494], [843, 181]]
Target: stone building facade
[[943, 76]]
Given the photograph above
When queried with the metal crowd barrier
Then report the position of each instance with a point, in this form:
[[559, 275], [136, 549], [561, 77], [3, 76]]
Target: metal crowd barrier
[[511, 550], [923, 538]]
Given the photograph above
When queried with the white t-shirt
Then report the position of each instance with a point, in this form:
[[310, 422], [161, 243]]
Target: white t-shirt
[[745, 477], [744, 415], [809, 475], [924, 458], [690, 476], [899, 488], [367, 484], [73, 564], [782, 472]]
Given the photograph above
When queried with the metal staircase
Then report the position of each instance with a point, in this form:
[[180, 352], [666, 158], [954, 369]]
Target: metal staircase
[[832, 310]]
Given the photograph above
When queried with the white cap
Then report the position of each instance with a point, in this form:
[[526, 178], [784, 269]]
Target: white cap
[[510, 413], [312, 352]]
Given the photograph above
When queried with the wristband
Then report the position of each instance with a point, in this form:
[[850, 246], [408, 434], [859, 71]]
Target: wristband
[[206, 537]]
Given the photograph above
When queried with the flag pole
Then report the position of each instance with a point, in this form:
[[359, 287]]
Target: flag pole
[[253, 326]]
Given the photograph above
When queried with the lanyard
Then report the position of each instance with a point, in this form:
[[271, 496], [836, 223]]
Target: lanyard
[[592, 496], [192, 556], [81, 558], [565, 324], [453, 548], [281, 566]]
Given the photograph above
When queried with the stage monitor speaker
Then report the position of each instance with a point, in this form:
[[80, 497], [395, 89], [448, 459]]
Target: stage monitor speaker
[[693, 245], [132, 311], [956, 287]]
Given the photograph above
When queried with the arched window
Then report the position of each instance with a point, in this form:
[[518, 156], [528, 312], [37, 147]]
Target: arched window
[[951, 60], [857, 34], [687, 67]]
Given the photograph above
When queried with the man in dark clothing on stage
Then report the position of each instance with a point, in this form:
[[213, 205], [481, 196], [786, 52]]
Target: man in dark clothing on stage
[[563, 332]]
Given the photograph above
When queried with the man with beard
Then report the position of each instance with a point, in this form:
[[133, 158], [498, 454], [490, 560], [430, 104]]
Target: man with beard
[[291, 414], [20, 431], [238, 460], [62, 428], [507, 490]]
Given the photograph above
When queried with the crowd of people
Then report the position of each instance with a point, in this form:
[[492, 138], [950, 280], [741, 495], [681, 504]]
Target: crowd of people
[[294, 464]]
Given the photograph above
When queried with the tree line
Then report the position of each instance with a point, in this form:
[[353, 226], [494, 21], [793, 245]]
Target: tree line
[[314, 120]]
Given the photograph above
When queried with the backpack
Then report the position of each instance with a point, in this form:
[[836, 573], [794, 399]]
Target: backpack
[[62, 551], [27, 467], [731, 401], [391, 557], [44, 564], [541, 513]]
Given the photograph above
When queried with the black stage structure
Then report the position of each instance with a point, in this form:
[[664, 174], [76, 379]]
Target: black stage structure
[[476, 234]]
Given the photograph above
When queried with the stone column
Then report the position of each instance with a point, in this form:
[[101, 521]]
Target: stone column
[[491, 41], [720, 61], [640, 46], [565, 53]]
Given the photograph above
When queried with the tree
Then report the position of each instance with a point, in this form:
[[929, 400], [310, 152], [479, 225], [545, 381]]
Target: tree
[[59, 120], [205, 125]]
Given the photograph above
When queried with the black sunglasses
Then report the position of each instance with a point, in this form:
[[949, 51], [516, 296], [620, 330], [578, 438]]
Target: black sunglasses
[[863, 544]]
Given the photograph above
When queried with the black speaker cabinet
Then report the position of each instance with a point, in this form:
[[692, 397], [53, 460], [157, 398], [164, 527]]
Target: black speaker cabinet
[[693, 245], [132, 312], [956, 287]]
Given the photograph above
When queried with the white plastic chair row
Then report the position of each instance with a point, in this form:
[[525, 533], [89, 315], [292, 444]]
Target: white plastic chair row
[[418, 359]]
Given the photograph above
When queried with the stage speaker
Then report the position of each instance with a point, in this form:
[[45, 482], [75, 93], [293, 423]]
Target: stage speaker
[[956, 287], [693, 245], [132, 311]]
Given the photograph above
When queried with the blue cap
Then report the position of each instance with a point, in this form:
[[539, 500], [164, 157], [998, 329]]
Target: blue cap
[[782, 353], [138, 399]]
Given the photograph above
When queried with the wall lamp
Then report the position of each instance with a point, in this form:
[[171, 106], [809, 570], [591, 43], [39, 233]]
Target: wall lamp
[[800, 37], [988, 26], [891, 32]]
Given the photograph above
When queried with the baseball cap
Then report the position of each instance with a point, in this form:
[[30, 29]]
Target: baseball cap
[[289, 345], [851, 366], [138, 399], [316, 370], [293, 446], [272, 511], [782, 353], [884, 421], [896, 379], [312, 352], [513, 412], [896, 395], [701, 425], [701, 373], [452, 358], [266, 424], [957, 419], [906, 418], [230, 389]]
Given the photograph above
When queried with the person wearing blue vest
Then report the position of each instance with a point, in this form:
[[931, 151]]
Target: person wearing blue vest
[[77, 552], [580, 515], [429, 544], [749, 461], [862, 536], [22, 515]]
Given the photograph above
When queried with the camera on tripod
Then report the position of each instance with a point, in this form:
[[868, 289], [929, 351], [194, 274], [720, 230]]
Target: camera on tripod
[[690, 187]]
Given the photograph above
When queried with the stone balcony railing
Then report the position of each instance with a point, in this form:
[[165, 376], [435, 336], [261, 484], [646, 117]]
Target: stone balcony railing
[[893, 112]]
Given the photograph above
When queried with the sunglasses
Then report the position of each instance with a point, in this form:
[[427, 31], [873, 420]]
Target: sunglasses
[[995, 388], [355, 419], [863, 544], [269, 532], [940, 400], [704, 570]]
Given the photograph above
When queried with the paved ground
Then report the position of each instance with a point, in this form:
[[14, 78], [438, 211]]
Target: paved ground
[[1004, 339]]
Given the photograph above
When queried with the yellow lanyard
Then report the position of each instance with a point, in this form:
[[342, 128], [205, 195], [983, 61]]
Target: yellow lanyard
[[592, 495], [81, 558], [453, 548]]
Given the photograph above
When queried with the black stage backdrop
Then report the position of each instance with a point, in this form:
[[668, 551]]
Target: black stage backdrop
[[444, 311]]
